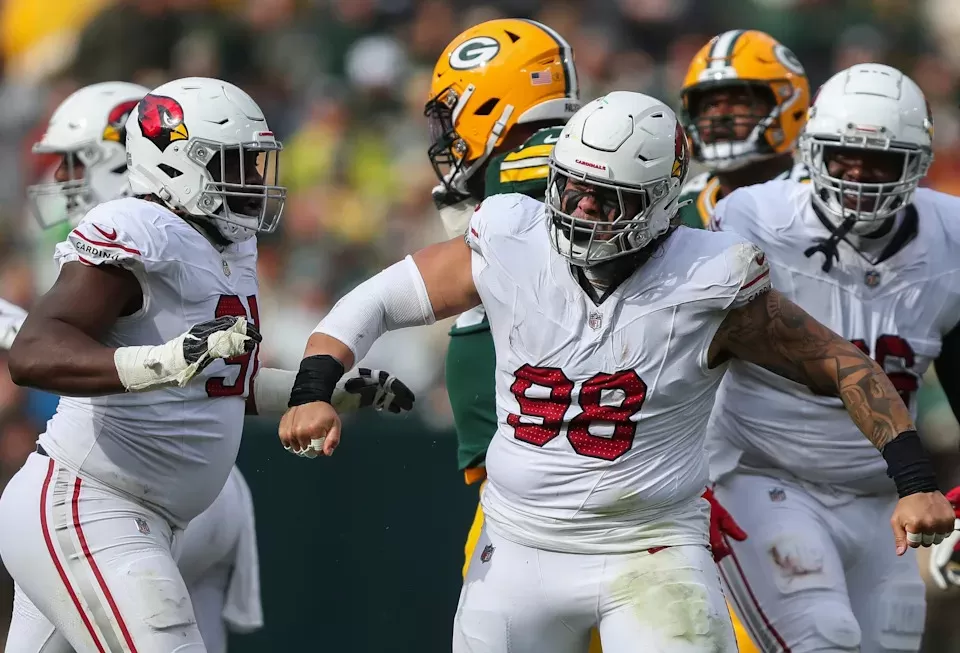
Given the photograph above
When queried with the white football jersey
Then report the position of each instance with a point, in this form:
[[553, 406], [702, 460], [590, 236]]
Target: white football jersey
[[172, 448], [602, 410], [896, 311]]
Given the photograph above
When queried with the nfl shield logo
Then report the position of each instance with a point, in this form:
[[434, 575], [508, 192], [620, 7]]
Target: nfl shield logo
[[487, 553], [226, 267], [595, 320], [142, 525], [777, 494], [871, 278]]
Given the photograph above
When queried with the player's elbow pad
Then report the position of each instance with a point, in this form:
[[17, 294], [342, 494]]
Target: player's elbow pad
[[394, 299]]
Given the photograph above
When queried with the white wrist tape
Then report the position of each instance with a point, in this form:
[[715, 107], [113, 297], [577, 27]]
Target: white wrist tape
[[393, 299], [11, 319], [271, 390], [151, 366]]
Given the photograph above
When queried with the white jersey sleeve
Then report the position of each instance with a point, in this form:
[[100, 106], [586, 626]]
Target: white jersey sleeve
[[737, 212], [114, 233], [111, 235], [749, 264]]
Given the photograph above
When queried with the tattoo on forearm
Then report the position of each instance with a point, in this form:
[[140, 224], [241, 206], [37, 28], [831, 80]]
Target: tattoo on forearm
[[773, 332]]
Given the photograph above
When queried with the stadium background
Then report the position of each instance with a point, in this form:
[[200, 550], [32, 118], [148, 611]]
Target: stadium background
[[363, 553]]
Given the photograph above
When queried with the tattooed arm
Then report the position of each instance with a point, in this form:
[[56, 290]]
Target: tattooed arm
[[776, 334], [773, 332]]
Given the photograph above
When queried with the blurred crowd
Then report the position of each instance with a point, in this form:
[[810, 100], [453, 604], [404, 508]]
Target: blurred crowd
[[343, 84]]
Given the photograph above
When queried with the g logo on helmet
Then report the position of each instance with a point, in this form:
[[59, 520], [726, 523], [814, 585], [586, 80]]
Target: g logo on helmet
[[116, 129], [161, 120], [681, 156], [474, 53], [789, 60]]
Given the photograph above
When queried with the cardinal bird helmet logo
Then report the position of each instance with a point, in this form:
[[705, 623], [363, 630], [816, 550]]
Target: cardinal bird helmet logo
[[116, 129], [681, 158], [161, 120]]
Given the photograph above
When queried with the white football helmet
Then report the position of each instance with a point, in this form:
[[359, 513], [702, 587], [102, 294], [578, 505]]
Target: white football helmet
[[867, 107], [86, 129], [630, 144], [203, 147]]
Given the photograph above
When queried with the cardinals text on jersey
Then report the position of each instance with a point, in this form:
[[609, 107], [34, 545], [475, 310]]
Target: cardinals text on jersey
[[171, 449], [896, 311], [601, 410]]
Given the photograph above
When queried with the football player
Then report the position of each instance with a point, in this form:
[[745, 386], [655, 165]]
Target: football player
[[118, 473], [744, 101], [218, 555], [500, 94], [612, 330], [876, 259]]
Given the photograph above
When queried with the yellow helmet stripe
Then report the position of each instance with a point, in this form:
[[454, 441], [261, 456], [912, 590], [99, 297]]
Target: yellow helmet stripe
[[723, 48], [566, 56]]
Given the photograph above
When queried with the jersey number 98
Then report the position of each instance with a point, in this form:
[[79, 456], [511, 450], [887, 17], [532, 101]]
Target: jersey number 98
[[895, 356], [605, 399]]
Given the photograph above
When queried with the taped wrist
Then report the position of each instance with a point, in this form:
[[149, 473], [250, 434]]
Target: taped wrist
[[316, 380], [393, 299], [909, 465], [150, 366]]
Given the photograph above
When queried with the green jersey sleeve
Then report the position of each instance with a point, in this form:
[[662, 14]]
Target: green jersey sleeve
[[692, 215], [523, 169]]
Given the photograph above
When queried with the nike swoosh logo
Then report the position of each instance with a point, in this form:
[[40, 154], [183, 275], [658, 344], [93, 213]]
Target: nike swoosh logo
[[550, 140], [111, 235]]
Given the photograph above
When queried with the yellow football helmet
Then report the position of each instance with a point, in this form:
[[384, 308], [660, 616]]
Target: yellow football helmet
[[753, 69], [493, 76]]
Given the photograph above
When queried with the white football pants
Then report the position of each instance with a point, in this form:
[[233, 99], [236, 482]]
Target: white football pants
[[819, 573], [94, 570], [518, 599]]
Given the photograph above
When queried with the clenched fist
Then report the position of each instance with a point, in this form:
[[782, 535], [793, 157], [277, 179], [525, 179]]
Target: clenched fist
[[921, 519], [311, 427]]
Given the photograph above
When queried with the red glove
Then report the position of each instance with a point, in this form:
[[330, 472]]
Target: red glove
[[953, 496], [721, 524]]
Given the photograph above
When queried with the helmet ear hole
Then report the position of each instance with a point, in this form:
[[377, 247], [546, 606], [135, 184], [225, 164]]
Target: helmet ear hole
[[169, 171], [487, 107]]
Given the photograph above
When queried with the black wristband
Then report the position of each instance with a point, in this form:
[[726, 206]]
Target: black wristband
[[909, 465], [316, 380]]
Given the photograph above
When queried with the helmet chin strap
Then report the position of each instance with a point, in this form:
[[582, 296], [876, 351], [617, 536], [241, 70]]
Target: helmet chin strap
[[828, 247]]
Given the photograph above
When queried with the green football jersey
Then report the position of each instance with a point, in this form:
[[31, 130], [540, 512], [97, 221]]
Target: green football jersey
[[471, 360]]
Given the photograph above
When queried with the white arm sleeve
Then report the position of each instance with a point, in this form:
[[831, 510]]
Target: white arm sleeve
[[394, 299], [271, 390]]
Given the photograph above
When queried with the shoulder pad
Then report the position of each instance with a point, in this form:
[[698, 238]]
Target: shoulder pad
[[119, 232], [501, 215]]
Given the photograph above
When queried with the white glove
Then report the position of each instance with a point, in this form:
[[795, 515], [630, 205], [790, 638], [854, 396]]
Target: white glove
[[176, 362], [11, 319], [455, 210], [365, 388], [943, 573]]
